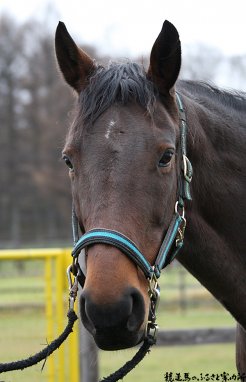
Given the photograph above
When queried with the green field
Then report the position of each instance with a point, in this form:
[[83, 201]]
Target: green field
[[23, 328], [25, 334]]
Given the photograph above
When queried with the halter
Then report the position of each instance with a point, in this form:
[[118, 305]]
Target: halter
[[172, 242]]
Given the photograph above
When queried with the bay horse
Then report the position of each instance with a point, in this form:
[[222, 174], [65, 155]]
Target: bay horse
[[123, 153]]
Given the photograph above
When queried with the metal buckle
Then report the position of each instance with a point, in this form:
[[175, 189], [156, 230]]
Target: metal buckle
[[187, 165], [181, 231]]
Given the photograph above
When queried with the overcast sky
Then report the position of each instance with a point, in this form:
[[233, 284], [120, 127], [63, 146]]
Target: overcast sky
[[129, 27]]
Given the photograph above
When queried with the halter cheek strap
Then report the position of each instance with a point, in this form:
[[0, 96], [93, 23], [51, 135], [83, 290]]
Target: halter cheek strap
[[187, 171]]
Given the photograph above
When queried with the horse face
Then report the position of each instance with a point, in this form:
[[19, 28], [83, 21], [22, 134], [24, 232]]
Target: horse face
[[118, 183], [124, 178]]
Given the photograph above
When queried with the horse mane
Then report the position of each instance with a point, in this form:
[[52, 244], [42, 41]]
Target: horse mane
[[118, 83], [210, 93], [127, 82]]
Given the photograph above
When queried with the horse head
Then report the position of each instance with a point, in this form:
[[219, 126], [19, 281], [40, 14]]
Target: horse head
[[122, 154]]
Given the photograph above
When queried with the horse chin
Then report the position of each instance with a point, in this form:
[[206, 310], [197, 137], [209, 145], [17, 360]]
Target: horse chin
[[115, 340]]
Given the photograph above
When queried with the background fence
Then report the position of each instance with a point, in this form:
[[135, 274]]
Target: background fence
[[48, 266]]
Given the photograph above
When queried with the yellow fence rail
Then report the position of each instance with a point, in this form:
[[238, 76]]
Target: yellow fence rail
[[56, 262]]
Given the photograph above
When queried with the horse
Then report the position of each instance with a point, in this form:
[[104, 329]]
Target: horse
[[126, 164]]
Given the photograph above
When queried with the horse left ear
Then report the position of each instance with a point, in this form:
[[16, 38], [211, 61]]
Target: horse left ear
[[165, 59], [76, 66]]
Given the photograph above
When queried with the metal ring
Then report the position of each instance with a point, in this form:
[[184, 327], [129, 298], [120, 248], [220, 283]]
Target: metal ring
[[176, 209]]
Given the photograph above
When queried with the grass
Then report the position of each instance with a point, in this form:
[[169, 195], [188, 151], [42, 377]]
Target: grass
[[22, 334], [25, 285], [192, 359], [194, 318], [23, 331]]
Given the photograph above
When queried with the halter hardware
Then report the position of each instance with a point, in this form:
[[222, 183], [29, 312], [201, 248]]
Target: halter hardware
[[187, 169], [73, 286]]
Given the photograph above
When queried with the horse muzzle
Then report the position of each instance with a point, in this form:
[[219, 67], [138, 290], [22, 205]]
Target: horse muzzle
[[116, 325]]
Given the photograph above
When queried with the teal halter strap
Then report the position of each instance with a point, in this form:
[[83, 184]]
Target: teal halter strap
[[118, 240], [123, 243]]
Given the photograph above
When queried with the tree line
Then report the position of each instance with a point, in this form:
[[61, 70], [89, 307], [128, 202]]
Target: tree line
[[35, 112]]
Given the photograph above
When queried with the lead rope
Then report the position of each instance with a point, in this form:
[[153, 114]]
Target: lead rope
[[47, 351], [71, 315], [129, 365]]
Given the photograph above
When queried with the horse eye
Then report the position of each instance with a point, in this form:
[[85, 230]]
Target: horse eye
[[166, 158], [68, 162]]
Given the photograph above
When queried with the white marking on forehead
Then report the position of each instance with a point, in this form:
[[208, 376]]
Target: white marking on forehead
[[112, 123], [109, 128]]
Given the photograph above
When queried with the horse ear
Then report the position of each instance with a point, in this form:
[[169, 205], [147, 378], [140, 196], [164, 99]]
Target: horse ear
[[165, 59], [76, 66]]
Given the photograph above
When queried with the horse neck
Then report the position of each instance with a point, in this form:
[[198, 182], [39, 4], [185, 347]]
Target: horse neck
[[216, 150], [214, 246]]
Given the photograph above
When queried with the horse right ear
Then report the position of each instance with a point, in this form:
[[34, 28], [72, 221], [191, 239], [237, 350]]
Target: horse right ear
[[76, 66], [165, 59]]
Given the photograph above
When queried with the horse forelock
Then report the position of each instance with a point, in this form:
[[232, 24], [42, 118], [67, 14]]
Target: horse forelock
[[120, 83]]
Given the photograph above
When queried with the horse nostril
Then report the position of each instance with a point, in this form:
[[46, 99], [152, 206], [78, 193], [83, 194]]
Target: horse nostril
[[138, 311], [84, 317]]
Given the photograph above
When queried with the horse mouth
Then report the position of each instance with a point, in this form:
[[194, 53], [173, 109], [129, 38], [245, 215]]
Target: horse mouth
[[113, 339]]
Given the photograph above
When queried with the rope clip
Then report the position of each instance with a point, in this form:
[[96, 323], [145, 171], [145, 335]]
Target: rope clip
[[73, 286], [151, 331], [154, 295], [154, 288]]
